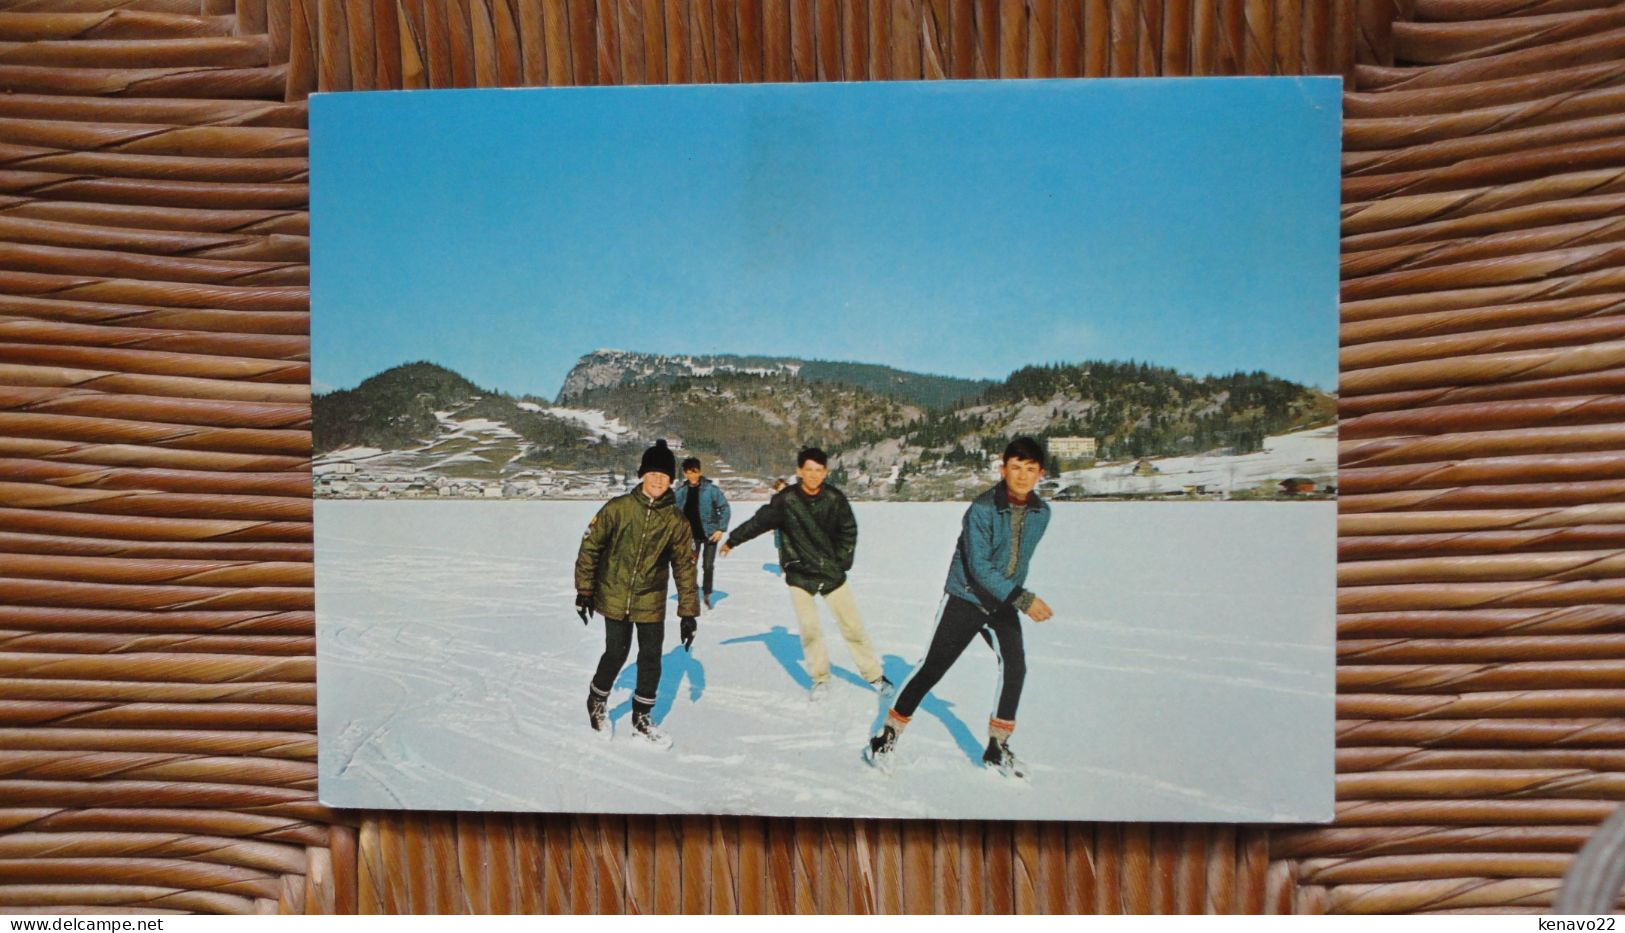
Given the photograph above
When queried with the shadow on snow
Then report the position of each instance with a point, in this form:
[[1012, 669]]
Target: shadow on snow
[[674, 668], [898, 671], [786, 649]]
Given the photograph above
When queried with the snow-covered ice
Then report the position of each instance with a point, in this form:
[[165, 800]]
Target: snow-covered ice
[[1187, 676]]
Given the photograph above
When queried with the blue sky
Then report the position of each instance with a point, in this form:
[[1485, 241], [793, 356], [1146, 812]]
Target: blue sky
[[967, 228]]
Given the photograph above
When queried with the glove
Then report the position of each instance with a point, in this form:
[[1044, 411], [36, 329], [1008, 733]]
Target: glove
[[686, 630], [584, 607]]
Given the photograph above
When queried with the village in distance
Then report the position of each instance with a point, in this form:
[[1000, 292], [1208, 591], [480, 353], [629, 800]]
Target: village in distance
[[1121, 431]]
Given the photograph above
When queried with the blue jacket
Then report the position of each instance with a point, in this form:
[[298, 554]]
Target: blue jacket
[[714, 511], [977, 574]]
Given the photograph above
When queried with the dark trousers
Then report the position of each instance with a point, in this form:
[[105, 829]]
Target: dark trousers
[[617, 644], [708, 551], [957, 627]]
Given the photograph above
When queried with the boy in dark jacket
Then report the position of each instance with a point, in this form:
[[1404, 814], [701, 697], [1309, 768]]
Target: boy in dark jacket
[[621, 573], [705, 506], [986, 589], [818, 538]]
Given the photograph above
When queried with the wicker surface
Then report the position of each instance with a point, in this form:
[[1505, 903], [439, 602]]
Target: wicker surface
[[156, 672]]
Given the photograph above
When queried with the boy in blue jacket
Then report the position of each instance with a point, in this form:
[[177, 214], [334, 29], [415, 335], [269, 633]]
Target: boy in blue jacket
[[986, 589]]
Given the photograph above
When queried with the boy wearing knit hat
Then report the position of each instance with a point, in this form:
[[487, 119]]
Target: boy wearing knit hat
[[621, 574], [986, 590]]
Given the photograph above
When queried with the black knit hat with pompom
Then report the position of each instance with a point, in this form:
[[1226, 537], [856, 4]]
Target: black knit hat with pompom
[[658, 459]]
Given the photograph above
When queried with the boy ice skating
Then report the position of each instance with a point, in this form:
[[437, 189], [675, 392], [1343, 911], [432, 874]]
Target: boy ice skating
[[818, 538], [621, 573], [705, 506], [986, 589]]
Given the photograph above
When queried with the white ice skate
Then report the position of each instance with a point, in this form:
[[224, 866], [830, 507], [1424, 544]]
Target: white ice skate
[[646, 732]]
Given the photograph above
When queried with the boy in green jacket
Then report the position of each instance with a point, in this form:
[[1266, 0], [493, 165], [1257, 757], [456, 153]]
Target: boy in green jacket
[[621, 573]]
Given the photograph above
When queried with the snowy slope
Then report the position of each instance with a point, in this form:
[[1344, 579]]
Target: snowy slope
[[478, 441], [1187, 676], [596, 423]]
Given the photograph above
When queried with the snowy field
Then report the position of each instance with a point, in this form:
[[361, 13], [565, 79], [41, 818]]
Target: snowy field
[[1187, 675], [1311, 454]]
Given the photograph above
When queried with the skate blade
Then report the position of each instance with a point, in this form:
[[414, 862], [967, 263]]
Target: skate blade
[[881, 763], [1006, 773], [660, 744]]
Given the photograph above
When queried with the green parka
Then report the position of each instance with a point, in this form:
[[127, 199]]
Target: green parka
[[624, 555], [819, 536]]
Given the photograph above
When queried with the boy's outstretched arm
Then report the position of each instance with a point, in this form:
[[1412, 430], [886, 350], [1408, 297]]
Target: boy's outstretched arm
[[767, 518]]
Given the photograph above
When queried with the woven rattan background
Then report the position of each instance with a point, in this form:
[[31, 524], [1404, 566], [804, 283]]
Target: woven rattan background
[[156, 651]]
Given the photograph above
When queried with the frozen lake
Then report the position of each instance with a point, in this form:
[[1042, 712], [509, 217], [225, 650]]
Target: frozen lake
[[1187, 675]]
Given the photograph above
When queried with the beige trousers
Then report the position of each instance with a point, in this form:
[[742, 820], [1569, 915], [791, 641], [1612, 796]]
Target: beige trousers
[[812, 633]]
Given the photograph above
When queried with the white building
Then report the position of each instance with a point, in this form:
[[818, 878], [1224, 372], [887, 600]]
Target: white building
[[1071, 448]]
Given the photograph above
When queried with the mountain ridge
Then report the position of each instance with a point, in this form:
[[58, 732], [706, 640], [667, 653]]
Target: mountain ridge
[[608, 368], [746, 416]]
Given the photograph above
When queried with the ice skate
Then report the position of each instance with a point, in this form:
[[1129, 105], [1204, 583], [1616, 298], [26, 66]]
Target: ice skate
[[644, 730], [1000, 758], [883, 686], [598, 714], [881, 751], [819, 692]]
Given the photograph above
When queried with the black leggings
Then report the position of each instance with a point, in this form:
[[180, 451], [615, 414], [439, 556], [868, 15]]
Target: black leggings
[[958, 625], [617, 644]]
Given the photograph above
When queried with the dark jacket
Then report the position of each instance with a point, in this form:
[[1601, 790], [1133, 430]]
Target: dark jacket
[[624, 555], [982, 556], [820, 536], [714, 510]]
